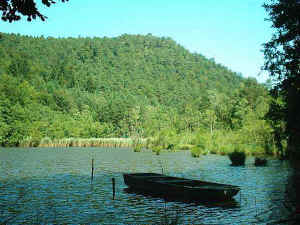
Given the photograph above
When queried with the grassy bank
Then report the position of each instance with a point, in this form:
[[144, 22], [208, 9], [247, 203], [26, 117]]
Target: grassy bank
[[200, 143]]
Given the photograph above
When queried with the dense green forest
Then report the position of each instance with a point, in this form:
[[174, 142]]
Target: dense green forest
[[128, 86]]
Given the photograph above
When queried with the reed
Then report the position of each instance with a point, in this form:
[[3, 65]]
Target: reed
[[45, 142], [29, 142], [137, 148], [137, 144], [26, 142], [84, 142], [217, 147]]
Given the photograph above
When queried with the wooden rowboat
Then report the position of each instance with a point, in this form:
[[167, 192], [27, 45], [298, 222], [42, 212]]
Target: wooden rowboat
[[169, 186]]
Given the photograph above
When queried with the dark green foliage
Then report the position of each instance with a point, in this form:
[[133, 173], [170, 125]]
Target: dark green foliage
[[282, 61], [129, 86], [170, 147], [237, 158], [12, 10], [260, 161]]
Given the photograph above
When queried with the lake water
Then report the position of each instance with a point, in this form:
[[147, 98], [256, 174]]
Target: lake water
[[53, 186]]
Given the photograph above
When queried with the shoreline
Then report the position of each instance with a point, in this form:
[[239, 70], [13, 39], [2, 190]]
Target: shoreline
[[144, 143]]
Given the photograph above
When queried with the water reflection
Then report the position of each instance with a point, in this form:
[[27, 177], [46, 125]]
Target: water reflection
[[291, 203], [156, 196]]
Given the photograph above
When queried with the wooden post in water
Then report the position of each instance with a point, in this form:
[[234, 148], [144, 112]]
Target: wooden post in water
[[113, 187], [92, 176]]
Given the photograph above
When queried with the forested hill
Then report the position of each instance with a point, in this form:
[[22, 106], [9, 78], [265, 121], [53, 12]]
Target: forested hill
[[116, 87]]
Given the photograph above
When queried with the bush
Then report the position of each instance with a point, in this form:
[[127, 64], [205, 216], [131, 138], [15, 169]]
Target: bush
[[269, 149], [170, 147], [195, 153], [237, 158], [260, 161], [157, 149], [197, 150]]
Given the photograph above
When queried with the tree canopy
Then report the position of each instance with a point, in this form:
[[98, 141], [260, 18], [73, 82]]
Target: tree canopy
[[282, 61], [127, 86]]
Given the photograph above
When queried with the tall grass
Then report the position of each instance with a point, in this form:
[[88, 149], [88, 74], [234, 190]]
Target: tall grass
[[219, 142], [29, 142], [83, 142], [137, 144]]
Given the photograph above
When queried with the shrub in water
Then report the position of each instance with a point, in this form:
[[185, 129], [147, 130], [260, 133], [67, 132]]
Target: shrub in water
[[170, 147], [196, 151], [157, 149], [260, 161], [237, 158]]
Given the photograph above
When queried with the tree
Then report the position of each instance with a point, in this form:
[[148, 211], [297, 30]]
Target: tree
[[282, 60], [13, 9], [115, 87]]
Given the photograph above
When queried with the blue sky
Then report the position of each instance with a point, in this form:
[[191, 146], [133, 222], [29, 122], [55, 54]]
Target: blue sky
[[230, 31]]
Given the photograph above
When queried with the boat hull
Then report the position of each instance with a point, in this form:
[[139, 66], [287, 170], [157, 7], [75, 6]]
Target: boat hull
[[168, 186]]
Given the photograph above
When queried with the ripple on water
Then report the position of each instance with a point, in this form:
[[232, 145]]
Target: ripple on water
[[53, 186]]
